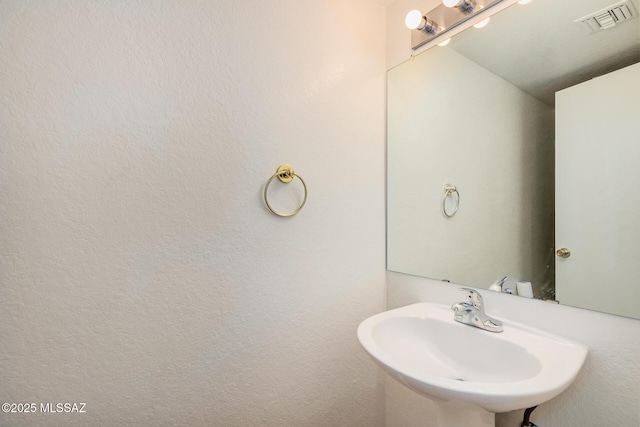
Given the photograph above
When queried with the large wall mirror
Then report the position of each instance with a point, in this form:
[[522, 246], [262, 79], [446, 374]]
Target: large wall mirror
[[536, 123]]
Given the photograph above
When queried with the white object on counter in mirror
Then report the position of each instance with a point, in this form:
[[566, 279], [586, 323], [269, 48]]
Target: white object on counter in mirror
[[524, 289]]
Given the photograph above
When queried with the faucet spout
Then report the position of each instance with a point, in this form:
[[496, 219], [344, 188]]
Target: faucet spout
[[474, 298], [471, 312]]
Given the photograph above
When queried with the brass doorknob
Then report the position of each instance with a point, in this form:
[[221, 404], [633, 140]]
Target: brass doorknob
[[563, 253]]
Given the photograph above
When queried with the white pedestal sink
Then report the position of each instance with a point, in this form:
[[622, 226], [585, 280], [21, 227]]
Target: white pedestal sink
[[454, 414], [470, 372]]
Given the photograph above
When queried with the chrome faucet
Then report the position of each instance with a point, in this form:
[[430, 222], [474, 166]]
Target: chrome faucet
[[471, 312]]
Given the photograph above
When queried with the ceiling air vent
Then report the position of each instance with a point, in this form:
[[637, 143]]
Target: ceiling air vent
[[608, 17]]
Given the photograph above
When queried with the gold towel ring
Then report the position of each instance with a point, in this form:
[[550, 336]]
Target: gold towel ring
[[448, 191], [285, 174]]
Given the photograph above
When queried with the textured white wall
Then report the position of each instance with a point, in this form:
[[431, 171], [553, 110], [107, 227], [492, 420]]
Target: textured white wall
[[605, 393], [140, 271]]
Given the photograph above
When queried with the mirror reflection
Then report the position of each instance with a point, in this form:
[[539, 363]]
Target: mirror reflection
[[534, 120]]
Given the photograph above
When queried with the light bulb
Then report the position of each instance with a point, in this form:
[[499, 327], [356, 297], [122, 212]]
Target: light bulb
[[483, 23], [524, 1], [465, 6], [413, 19], [444, 43]]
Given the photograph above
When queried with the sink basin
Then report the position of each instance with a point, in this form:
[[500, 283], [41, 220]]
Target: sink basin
[[424, 348]]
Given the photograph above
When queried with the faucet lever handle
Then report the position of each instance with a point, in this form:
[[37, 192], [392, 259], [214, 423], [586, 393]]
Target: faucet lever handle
[[475, 298]]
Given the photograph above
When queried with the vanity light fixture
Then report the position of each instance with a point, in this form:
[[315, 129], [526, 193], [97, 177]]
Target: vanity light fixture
[[449, 16], [415, 20], [466, 6]]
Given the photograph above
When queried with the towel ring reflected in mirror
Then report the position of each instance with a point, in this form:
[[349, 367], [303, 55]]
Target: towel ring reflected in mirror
[[450, 190], [285, 174]]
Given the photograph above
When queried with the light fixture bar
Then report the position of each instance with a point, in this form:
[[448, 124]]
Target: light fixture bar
[[466, 6], [449, 18]]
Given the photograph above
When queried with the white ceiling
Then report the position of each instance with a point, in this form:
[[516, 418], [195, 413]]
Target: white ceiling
[[539, 48]]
